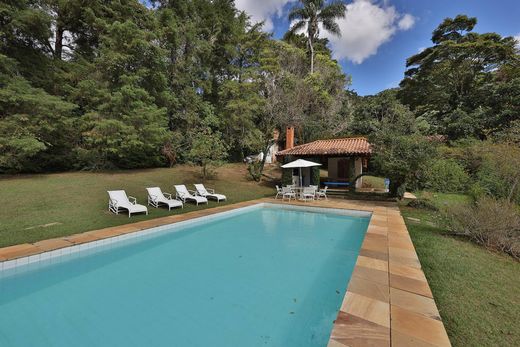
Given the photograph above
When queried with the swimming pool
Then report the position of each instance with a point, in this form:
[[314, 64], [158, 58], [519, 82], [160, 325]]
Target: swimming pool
[[266, 275]]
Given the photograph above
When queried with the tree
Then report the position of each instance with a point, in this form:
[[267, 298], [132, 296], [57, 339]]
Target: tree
[[124, 124], [382, 112], [401, 158], [466, 84], [207, 150], [312, 13], [36, 129]]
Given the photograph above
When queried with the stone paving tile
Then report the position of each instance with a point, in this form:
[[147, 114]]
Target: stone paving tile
[[418, 326], [404, 261], [410, 285], [372, 263], [350, 330], [374, 254], [369, 309], [81, 238], [414, 302], [52, 244], [18, 251], [407, 271], [403, 340], [368, 288], [371, 274], [403, 253]]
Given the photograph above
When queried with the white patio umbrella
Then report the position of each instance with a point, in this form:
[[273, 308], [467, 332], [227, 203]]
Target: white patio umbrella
[[298, 164]]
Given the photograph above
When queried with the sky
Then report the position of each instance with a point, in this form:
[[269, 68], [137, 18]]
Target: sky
[[378, 35]]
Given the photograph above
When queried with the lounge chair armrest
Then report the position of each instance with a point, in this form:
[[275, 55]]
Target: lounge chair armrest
[[168, 195], [210, 190], [154, 197], [113, 202], [193, 192], [132, 199]]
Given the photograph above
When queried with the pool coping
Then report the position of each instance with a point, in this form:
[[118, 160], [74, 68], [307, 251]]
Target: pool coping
[[387, 303]]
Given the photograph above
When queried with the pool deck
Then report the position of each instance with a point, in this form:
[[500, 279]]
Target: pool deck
[[388, 301]]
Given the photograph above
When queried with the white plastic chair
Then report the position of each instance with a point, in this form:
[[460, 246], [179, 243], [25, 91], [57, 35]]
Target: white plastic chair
[[322, 193], [287, 192], [278, 192], [157, 197], [184, 194], [308, 193], [209, 193], [118, 200]]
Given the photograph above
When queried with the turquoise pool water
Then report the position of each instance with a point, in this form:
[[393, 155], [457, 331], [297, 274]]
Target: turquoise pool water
[[265, 277]]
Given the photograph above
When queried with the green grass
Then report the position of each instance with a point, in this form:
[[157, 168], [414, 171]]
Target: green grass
[[443, 199], [477, 291], [77, 201]]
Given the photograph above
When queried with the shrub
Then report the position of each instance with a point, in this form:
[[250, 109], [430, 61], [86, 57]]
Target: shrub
[[490, 222], [255, 170], [499, 173], [446, 176]]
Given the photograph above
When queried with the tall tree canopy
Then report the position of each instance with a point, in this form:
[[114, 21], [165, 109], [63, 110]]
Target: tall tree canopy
[[467, 84]]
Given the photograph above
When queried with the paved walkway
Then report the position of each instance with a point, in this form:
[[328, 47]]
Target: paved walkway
[[388, 301]]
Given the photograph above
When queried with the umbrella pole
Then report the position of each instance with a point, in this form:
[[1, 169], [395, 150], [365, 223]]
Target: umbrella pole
[[301, 183]]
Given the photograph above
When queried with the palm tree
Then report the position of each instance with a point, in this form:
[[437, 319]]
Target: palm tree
[[312, 12]]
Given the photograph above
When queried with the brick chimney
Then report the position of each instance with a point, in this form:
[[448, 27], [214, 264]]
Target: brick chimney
[[289, 138]]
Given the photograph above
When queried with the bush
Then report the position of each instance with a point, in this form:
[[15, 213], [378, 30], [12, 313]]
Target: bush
[[489, 222], [446, 176], [499, 173], [255, 170]]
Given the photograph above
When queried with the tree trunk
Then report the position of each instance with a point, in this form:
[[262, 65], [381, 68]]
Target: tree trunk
[[312, 54], [58, 44]]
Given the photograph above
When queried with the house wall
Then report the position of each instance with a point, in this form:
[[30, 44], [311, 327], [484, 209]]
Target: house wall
[[359, 171]]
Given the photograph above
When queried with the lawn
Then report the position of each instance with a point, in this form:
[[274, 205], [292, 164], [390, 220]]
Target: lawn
[[37, 207], [477, 291]]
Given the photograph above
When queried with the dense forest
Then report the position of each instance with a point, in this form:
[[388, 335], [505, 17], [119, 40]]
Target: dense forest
[[100, 85]]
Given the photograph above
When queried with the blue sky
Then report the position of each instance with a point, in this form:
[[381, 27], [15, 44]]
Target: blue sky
[[378, 36]]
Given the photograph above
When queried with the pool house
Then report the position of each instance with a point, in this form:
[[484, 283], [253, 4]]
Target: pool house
[[344, 159]]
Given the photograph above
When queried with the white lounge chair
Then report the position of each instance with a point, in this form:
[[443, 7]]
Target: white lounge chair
[[322, 193], [119, 200], [157, 197], [209, 193], [184, 194]]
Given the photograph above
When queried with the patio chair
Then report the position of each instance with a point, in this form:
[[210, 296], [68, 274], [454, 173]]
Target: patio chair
[[184, 194], [209, 193], [118, 200], [157, 197], [322, 193], [287, 192], [308, 193], [278, 192]]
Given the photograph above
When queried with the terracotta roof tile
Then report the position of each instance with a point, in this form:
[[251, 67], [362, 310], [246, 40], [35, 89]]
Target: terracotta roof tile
[[345, 146]]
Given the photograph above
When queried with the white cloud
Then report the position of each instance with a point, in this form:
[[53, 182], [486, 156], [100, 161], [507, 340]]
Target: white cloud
[[366, 26], [262, 10], [517, 38], [406, 22]]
